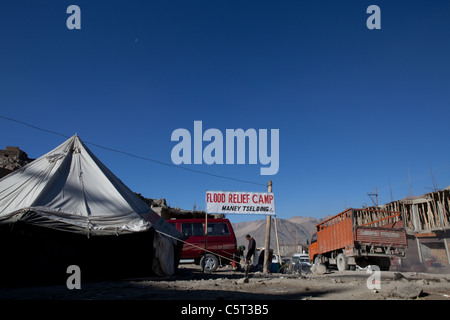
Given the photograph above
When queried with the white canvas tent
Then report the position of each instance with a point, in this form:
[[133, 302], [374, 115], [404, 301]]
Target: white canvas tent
[[70, 190]]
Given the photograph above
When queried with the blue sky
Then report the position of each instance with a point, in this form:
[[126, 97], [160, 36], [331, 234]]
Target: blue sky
[[356, 108]]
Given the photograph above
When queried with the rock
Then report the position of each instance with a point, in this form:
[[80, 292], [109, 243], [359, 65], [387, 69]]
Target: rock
[[318, 269], [243, 280], [409, 291], [400, 277], [423, 282], [12, 158]]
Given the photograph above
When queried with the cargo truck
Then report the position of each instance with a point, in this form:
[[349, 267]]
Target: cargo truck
[[359, 237]]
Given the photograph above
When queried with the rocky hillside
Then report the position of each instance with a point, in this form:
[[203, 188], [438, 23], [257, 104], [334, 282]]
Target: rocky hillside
[[293, 231], [12, 158]]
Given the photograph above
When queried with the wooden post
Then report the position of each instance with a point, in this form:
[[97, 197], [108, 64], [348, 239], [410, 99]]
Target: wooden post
[[419, 250], [447, 251], [267, 242], [276, 236], [206, 241]]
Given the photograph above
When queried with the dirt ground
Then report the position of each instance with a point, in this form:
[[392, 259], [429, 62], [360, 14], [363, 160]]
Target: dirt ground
[[225, 284]]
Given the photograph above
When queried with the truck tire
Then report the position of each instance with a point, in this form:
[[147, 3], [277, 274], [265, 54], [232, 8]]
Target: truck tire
[[211, 265], [317, 259], [320, 259], [342, 263]]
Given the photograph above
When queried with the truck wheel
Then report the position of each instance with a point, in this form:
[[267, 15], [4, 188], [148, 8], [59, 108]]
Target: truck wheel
[[341, 262], [210, 263], [317, 259]]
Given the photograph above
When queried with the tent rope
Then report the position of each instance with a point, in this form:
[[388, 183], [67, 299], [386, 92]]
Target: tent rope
[[201, 248]]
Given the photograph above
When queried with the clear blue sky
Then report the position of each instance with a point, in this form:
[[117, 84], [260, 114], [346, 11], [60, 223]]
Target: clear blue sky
[[356, 108]]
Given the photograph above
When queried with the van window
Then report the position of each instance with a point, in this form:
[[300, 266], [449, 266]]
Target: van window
[[192, 229], [218, 229]]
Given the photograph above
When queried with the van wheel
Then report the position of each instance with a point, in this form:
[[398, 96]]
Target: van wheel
[[341, 262], [212, 263]]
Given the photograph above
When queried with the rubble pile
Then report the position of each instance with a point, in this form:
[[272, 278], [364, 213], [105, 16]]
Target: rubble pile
[[12, 158]]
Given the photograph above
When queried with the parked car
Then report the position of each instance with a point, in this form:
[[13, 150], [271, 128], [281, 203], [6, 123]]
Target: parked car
[[286, 260], [302, 258], [220, 240]]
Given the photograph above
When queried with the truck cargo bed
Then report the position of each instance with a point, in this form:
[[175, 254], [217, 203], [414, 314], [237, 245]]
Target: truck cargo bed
[[380, 236], [359, 236]]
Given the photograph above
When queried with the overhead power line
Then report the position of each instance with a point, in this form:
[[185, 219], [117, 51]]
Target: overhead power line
[[35, 127], [136, 156]]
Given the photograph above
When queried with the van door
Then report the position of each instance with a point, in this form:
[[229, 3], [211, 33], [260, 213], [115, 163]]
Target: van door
[[193, 248], [221, 240]]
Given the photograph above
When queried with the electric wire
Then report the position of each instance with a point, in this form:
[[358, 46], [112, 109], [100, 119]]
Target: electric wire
[[137, 156], [200, 248]]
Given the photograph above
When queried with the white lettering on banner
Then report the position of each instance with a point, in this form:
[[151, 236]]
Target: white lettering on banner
[[240, 202], [390, 234], [369, 233]]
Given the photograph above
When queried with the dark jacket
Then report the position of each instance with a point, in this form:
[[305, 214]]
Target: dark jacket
[[251, 244]]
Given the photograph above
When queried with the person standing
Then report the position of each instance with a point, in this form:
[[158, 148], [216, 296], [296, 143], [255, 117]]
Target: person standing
[[251, 247]]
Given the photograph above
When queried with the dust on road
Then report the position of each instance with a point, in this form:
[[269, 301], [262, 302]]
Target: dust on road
[[225, 284]]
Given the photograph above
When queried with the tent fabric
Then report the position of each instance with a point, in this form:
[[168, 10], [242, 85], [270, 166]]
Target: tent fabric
[[70, 189], [163, 262]]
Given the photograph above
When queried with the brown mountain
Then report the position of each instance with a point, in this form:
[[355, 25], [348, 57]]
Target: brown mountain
[[296, 230]]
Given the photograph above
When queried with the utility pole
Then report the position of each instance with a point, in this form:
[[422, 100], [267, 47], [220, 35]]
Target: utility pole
[[267, 243], [376, 197], [435, 187]]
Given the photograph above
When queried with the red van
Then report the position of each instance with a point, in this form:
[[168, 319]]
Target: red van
[[221, 241]]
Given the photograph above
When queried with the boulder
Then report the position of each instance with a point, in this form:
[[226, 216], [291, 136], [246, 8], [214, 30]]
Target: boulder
[[409, 291], [318, 268]]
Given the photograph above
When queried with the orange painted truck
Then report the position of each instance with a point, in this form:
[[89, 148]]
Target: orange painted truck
[[359, 237]]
